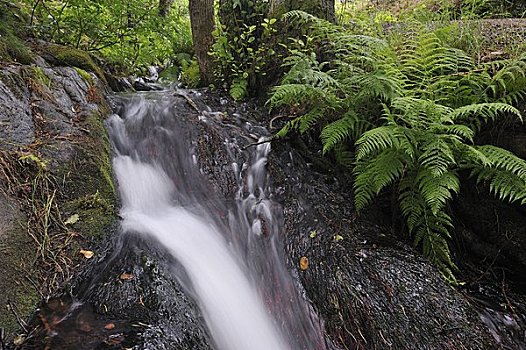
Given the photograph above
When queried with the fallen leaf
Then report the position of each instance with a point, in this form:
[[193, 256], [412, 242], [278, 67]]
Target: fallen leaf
[[109, 326], [338, 238], [72, 219], [313, 234], [88, 254], [126, 276], [19, 340], [304, 263]]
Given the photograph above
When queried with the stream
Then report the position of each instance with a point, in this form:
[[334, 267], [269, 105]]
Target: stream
[[230, 251], [212, 252]]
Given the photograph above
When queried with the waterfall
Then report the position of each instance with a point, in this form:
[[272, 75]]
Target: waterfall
[[231, 254]]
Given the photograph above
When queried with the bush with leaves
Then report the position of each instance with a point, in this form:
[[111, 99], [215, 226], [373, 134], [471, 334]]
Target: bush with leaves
[[412, 115], [130, 34], [240, 60]]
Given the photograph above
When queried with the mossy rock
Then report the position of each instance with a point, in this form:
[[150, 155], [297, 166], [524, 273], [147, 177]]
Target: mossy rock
[[89, 188], [85, 75], [12, 49], [17, 295], [69, 56], [12, 45]]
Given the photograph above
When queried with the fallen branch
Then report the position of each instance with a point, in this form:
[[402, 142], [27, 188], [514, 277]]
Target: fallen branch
[[188, 99], [258, 143]]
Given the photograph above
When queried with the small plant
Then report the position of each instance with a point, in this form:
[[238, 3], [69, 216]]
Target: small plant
[[190, 73], [241, 60]]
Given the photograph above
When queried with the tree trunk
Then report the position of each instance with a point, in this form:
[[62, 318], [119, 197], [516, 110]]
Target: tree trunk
[[319, 8], [164, 7], [202, 20]]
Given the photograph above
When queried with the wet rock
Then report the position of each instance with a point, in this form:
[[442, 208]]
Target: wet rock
[[118, 84], [372, 290], [141, 85], [51, 118], [126, 298], [16, 122], [17, 294]]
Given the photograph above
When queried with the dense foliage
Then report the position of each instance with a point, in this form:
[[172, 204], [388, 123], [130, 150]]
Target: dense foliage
[[129, 33], [405, 117]]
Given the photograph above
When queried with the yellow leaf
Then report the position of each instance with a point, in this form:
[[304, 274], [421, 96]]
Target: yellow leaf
[[338, 238], [19, 340], [313, 234], [88, 254], [304, 263], [72, 219]]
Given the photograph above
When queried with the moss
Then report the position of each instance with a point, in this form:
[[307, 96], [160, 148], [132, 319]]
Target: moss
[[37, 75], [90, 191], [74, 57], [16, 270], [14, 49], [85, 75], [12, 46]]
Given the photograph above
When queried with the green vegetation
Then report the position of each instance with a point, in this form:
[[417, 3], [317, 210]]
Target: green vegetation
[[404, 115], [128, 34], [244, 48], [396, 92], [69, 56], [12, 46], [85, 75]]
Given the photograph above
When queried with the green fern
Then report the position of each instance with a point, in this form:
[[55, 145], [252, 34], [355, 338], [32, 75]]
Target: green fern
[[239, 89], [412, 115]]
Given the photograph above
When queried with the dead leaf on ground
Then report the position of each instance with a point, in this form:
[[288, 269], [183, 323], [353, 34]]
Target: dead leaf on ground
[[110, 326], [304, 263], [126, 276], [19, 340], [88, 254]]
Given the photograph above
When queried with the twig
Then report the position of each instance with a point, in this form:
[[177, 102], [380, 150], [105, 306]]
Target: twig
[[271, 124], [258, 143], [2, 344], [35, 286], [189, 100], [19, 320]]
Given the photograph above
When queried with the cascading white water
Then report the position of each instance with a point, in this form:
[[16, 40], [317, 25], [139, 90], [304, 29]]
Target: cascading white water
[[233, 310], [232, 269]]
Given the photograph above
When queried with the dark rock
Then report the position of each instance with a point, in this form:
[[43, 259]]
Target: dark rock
[[118, 84], [141, 85], [16, 121]]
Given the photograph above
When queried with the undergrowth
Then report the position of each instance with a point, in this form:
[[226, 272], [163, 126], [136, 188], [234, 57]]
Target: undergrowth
[[27, 178], [405, 118]]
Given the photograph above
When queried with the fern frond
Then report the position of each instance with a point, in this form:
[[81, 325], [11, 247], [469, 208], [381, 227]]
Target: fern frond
[[465, 132], [431, 231], [378, 84], [239, 89], [293, 94], [343, 155], [376, 174], [373, 141], [505, 174], [504, 160], [311, 118], [484, 111], [469, 156], [503, 185], [437, 190], [437, 157], [420, 113], [339, 130]]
